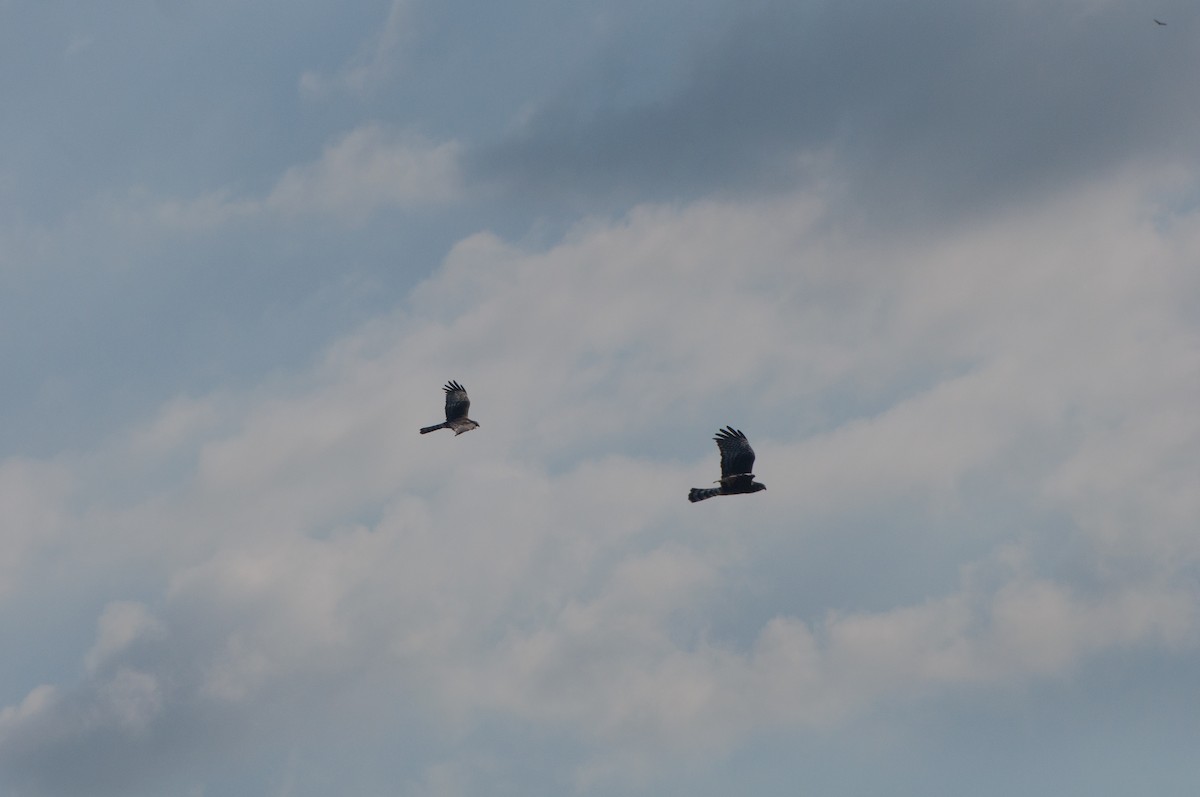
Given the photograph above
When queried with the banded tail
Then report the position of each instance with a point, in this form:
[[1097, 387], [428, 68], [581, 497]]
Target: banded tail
[[698, 494], [429, 429]]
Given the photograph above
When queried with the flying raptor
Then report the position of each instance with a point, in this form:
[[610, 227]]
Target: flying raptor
[[737, 462], [457, 405]]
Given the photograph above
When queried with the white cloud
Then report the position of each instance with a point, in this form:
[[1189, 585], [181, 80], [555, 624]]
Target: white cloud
[[370, 67], [122, 623], [123, 705], [38, 700], [325, 560], [131, 699], [32, 498], [368, 169]]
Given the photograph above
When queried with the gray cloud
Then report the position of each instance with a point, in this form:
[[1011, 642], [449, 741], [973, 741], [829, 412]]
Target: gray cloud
[[940, 104]]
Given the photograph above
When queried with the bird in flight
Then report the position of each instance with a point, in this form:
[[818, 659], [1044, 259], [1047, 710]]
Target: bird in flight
[[737, 462], [457, 405], [1159, 22]]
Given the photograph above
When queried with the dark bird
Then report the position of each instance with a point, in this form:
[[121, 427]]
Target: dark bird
[[457, 405], [737, 462], [1157, 22]]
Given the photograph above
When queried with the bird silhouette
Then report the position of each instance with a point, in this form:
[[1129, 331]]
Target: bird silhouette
[[737, 462], [457, 405]]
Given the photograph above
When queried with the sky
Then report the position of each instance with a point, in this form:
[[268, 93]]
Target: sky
[[939, 260]]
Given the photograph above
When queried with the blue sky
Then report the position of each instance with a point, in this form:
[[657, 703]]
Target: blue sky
[[937, 259]]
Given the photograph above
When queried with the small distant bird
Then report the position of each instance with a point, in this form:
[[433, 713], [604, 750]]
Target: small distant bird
[[1157, 22], [737, 462], [457, 405]]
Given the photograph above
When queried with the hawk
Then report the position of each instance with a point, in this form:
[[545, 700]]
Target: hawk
[[737, 460], [457, 405]]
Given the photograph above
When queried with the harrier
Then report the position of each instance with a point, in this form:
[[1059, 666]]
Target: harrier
[[737, 460], [457, 405]]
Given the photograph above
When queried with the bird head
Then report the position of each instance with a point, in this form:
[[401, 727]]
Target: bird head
[[757, 487]]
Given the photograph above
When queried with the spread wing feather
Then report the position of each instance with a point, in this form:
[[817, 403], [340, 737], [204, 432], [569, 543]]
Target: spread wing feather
[[457, 403], [737, 457]]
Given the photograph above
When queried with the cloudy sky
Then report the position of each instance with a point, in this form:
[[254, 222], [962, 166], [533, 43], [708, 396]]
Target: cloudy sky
[[940, 260]]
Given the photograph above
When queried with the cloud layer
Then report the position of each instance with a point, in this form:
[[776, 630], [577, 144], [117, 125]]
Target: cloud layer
[[937, 261], [305, 554]]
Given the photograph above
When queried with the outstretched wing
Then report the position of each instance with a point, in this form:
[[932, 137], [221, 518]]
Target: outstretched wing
[[737, 457], [457, 403]]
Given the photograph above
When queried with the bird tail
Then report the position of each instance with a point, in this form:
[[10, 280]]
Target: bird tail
[[429, 429], [698, 494]]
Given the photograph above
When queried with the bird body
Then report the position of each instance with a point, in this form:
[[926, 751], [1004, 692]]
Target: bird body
[[457, 406], [737, 464]]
